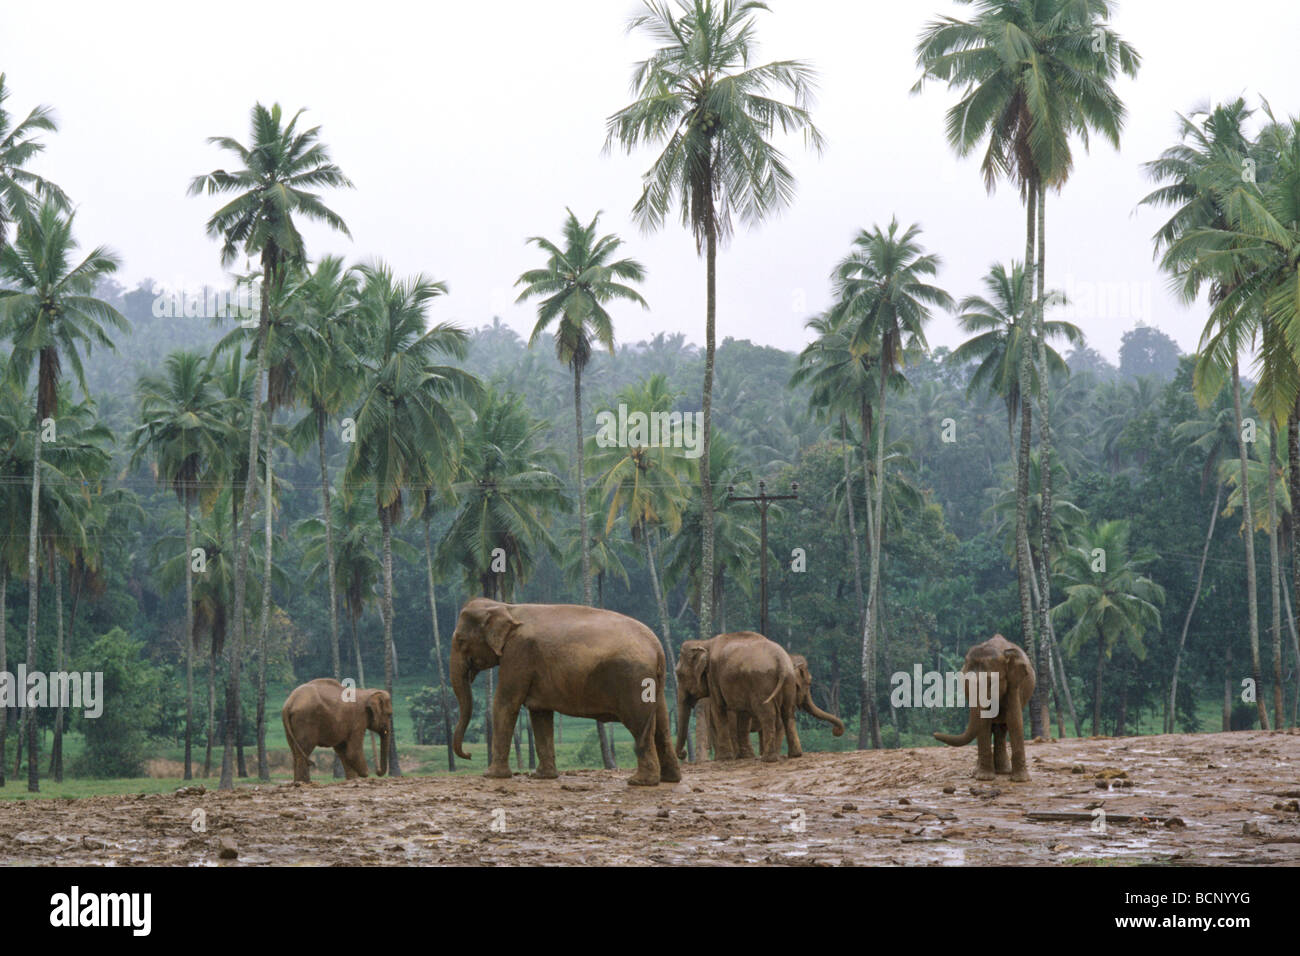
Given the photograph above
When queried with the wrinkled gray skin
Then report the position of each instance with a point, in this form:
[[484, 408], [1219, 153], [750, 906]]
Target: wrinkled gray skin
[[318, 714], [1015, 682]]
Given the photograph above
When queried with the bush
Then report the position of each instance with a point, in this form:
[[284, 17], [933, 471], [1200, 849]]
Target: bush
[[116, 740]]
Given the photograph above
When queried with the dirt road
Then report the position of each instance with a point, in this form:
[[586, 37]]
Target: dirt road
[[1234, 800]]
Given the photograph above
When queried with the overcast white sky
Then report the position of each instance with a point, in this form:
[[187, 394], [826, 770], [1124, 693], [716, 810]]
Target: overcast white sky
[[468, 127]]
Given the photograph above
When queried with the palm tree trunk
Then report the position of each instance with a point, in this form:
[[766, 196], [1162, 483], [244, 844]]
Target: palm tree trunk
[[869, 722], [329, 544], [1227, 686], [212, 710], [706, 484], [1293, 458], [1096, 695], [437, 648], [1248, 519], [263, 767], [1275, 582], [649, 536], [578, 485], [189, 639], [877, 539], [1024, 560], [236, 636], [386, 524], [608, 757], [1038, 705], [356, 646], [1056, 668], [1191, 609], [853, 524], [56, 751], [33, 602], [4, 660]]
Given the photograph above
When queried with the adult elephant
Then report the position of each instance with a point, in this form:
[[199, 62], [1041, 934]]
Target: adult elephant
[[1014, 673], [746, 724], [324, 713], [580, 661], [740, 673]]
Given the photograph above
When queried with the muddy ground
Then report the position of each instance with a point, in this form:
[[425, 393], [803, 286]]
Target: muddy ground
[[1234, 800]]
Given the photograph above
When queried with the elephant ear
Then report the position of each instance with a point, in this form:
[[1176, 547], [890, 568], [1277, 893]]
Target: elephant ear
[[500, 624], [697, 666], [1018, 667]]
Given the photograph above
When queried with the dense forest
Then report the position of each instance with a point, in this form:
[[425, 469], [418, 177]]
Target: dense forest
[[207, 500]]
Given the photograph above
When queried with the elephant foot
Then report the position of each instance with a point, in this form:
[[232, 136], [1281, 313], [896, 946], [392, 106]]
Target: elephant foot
[[985, 775], [1020, 776], [670, 775], [770, 758], [544, 773], [497, 773], [637, 780], [797, 753], [1002, 769]]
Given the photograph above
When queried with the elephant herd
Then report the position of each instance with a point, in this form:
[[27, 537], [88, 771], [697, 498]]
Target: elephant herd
[[598, 664]]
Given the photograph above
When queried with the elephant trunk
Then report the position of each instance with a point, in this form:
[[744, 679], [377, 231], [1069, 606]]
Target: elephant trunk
[[460, 686], [807, 705], [383, 748], [972, 727], [685, 702]]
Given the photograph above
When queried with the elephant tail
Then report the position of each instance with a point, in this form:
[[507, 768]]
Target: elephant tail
[[776, 690], [972, 727], [294, 746]]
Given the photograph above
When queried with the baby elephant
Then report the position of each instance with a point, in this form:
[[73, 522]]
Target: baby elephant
[[1014, 675], [324, 713]]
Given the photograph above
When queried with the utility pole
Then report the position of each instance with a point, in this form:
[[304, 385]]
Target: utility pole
[[763, 500]]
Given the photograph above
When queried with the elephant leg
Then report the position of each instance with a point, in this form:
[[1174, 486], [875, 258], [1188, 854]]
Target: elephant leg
[[669, 770], [544, 734], [504, 715], [984, 759], [1016, 731], [769, 740], [641, 722], [793, 746], [725, 722], [1000, 762], [744, 746], [353, 753]]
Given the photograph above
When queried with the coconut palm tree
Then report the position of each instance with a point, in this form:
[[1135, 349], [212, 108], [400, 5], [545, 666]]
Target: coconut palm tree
[[1032, 74], [1189, 245], [995, 322], [20, 188], [181, 434], [49, 312], [574, 286], [644, 483], [506, 489], [271, 186], [1208, 438], [327, 379], [883, 293], [714, 113], [843, 383], [1107, 596], [406, 437], [357, 564]]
